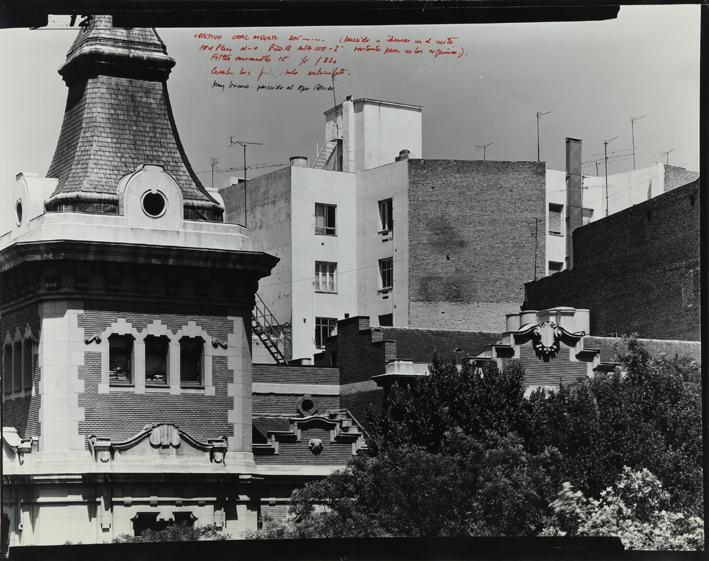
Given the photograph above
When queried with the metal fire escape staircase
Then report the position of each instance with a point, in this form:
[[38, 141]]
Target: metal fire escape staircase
[[276, 338], [325, 154]]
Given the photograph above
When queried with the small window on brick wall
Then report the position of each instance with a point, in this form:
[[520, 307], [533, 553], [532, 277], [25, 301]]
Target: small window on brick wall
[[156, 357], [7, 369], [120, 359], [27, 365], [191, 359]]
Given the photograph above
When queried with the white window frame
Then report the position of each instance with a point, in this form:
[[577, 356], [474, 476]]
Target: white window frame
[[326, 229], [326, 277], [386, 263], [386, 216], [324, 323]]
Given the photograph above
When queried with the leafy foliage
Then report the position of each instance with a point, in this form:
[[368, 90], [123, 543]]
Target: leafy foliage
[[175, 533], [632, 509], [463, 452], [646, 414]]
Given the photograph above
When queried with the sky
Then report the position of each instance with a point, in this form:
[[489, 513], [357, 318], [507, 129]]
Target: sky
[[592, 76]]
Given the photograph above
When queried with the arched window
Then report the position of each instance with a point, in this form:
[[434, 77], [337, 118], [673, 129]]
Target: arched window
[[191, 361], [120, 359], [7, 369], [17, 367], [157, 350], [27, 365]]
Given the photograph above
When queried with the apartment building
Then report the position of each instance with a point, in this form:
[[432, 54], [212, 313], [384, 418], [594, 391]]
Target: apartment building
[[374, 229]]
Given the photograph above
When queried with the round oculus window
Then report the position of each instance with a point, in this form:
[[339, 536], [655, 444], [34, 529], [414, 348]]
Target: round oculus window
[[18, 212], [154, 204]]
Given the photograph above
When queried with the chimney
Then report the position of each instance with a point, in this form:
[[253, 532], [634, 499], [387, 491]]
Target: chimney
[[299, 161], [574, 195], [403, 155]]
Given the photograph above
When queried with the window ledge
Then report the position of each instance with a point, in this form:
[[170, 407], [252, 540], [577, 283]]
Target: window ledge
[[326, 291], [334, 234], [385, 290], [115, 384], [557, 234]]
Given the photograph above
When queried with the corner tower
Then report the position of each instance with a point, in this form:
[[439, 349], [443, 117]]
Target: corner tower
[[118, 116], [125, 307]]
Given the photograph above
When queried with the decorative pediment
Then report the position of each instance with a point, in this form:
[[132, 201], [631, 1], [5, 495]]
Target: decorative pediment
[[342, 426], [162, 440], [547, 337]]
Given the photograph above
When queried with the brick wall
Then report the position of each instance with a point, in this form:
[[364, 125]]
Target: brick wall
[[285, 404], [471, 243], [361, 404], [636, 270], [676, 177], [558, 369], [22, 410], [121, 414], [297, 453], [295, 374]]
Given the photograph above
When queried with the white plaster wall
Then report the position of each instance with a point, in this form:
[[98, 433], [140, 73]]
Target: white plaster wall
[[383, 130], [310, 186], [555, 244], [388, 181], [624, 190], [269, 229]]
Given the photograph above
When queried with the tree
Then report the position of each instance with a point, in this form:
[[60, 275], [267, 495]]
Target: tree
[[633, 509], [175, 533], [646, 414], [445, 460], [462, 452]]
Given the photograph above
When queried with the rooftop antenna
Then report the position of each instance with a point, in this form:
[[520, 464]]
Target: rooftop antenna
[[244, 144], [334, 97], [539, 118], [483, 147], [605, 158], [213, 163], [632, 132], [667, 153]]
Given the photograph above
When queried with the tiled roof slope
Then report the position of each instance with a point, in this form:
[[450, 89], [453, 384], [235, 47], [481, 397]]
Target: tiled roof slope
[[117, 117], [419, 345]]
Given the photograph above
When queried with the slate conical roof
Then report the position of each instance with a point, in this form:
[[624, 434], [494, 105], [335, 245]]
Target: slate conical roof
[[117, 117]]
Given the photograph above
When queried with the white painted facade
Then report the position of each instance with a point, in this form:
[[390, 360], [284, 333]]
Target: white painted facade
[[624, 190]]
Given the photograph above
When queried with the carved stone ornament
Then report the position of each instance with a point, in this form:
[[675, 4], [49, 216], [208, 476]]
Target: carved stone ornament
[[158, 436], [547, 337], [315, 445]]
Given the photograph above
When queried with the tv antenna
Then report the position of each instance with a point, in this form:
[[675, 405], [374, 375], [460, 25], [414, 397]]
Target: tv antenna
[[244, 144]]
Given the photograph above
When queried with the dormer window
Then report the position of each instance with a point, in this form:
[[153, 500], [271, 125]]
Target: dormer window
[[154, 204]]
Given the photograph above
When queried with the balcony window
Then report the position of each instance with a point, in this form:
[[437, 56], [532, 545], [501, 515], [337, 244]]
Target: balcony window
[[386, 220], [120, 359], [191, 358], [325, 219], [325, 276], [386, 273], [156, 356], [324, 328]]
